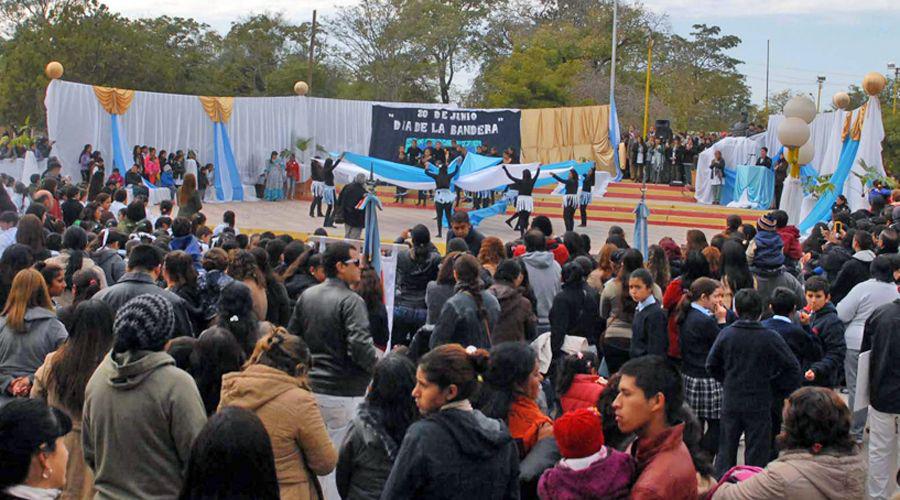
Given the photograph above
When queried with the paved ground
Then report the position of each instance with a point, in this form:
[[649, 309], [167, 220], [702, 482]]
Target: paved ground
[[293, 216]]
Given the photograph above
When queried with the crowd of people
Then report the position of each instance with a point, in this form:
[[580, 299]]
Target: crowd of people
[[151, 355]]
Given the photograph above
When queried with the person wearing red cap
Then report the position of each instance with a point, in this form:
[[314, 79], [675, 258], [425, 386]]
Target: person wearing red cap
[[588, 469]]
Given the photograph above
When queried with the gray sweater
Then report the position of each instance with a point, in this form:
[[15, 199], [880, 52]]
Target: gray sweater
[[22, 353]]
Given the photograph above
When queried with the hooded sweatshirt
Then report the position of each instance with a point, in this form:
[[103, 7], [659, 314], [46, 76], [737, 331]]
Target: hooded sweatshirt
[[800, 475], [544, 277], [455, 453], [112, 264], [852, 273], [790, 238], [141, 415], [607, 477], [289, 413]]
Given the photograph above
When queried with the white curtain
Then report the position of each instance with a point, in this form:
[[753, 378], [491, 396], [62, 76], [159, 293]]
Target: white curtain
[[735, 151], [820, 133], [869, 151], [258, 125]]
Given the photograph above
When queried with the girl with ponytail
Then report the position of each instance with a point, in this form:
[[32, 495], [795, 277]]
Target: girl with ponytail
[[700, 316], [74, 258], [471, 313], [577, 382], [415, 269], [274, 386], [454, 450]]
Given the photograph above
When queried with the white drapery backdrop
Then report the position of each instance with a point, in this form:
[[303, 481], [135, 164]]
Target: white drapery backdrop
[[735, 151], [820, 133], [258, 125]]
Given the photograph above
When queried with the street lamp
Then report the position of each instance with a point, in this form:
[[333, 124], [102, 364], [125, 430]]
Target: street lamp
[[896, 69], [820, 79]]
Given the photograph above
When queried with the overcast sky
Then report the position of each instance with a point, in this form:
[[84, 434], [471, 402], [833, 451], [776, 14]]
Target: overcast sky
[[839, 39]]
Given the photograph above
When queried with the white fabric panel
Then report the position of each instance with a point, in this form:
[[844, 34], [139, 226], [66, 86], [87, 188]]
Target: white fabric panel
[[492, 177], [21, 169], [735, 151], [832, 150], [869, 151], [258, 125], [820, 132]]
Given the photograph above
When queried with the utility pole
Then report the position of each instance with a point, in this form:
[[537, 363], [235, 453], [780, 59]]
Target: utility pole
[[312, 50], [896, 69], [820, 79], [768, 43], [612, 71], [647, 84]]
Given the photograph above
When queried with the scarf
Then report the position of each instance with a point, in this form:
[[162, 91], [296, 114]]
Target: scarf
[[525, 420]]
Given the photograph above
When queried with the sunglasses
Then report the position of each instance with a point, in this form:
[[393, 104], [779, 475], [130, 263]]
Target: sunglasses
[[352, 262]]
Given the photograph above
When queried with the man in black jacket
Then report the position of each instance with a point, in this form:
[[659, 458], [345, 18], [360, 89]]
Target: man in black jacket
[[756, 368], [855, 270], [882, 338], [461, 227], [354, 218], [828, 329]]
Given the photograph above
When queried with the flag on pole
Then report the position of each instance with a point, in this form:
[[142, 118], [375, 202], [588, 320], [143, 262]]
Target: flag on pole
[[641, 212], [372, 244], [615, 135]]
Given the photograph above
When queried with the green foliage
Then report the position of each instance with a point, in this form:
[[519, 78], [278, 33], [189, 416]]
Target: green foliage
[[819, 185], [871, 174], [891, 145]]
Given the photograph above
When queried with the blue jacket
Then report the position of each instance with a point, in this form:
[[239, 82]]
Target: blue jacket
[[166, 180], [191, 245], [768, 253], [755, 365], [828, 329], [806, 348]]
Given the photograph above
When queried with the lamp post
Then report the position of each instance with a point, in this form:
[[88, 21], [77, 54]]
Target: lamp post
[[820, 80], [647, 83], [896, 69]]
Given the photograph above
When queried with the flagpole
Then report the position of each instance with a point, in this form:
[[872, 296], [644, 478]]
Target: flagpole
[[612, 71]]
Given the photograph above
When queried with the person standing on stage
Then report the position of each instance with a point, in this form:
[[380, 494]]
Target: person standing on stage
[[318, 187], [585, 197], [328, 195], [293, 175], [764, 160], [443, 197], [570, 199], [524, 201]]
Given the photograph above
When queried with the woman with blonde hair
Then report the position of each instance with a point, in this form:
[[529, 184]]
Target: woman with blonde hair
[[29, 331], [491, 253], [189, 201], [274, 386], [605, 268]]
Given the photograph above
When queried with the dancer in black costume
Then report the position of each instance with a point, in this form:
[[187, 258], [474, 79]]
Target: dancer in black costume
[[570, 199], [585, 197], [524, 201], [328, 196], [318, 187], [443, 197]]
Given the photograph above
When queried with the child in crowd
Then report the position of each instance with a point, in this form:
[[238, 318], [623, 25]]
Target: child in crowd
[[578, 384], [649, 334], [806, 348], [588, 469], [828, 328]]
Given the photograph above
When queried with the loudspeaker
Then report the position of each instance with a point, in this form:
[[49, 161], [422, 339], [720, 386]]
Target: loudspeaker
[[663, 130]]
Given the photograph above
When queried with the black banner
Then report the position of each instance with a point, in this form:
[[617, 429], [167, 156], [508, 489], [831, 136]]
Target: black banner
[[395, 127]]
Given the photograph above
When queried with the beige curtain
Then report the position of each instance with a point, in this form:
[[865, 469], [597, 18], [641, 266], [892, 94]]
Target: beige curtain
[[114, 101], [551, 135], [217, 108]]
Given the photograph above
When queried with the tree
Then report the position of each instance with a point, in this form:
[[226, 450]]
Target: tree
[[373, 49]]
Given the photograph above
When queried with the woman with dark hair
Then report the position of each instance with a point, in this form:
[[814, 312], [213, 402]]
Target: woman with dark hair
[[110, 242], [181, 279], [372, 293], [695, 266], [189, 202], [524, 201], [62, 378], [518, 321], [575, 311], [734, 270], [455, 450], [243, 267], [511, 387], [214, 354], [89, 218], [231, 458], [55, 279], [328, 189], [274, 178], [443, 197], [470, 315], [376, 432], [695, 241], [303, 273], [29, 331], [15, 258], [658, 265], [30, 232], [439, 291], [700, 316], [84, 286], [278, 303], [617, 309], [570, 197], [33, 452], [818, 457], [235, 314], [416, 268], [73, 257], [274, 385]]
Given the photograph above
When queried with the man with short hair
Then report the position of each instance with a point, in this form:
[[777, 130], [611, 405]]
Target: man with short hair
[[756, 369], [648, 404], [543, 275], [764, 160], [333, 321], [8, 221], [461, 227], [142, 272], [120, 197]]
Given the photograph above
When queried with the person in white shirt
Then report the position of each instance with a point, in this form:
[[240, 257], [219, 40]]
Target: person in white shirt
[[227, 221], [8, 221], [120, 197]]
